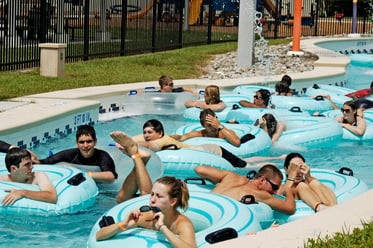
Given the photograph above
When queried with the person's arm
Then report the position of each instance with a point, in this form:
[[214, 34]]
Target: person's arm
[[62, 156], [359, 129], [4, 147], [109, 231], [213, 174], [185, 237], [47, 191], [225, 132], [327, 97], [214, 107], [130, 221], [186, 136], [191, 103], [201, 104], [102, 176], [248, 104], [107, 166], [286, 206], [191, 91], [281, 127]]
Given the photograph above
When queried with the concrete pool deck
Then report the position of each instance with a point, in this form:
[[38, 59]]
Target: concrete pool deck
[[28, 110]]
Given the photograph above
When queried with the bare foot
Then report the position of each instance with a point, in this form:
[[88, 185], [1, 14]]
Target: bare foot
[[126, 142], [128, 146]]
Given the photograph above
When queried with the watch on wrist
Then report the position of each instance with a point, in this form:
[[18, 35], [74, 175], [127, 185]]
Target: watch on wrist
[[220, 127]]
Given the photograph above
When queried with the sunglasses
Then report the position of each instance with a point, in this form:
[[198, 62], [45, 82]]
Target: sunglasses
[[274, 186], [257, 97], [85, 141], [345, 110], [147, 208], [170, 84]]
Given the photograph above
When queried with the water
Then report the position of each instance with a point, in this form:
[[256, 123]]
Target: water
[[73, 230]]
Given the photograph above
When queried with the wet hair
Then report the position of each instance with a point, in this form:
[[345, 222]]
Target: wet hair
[[85, 130], [271, 123], [203, 114], [269, 171], [177, 189], [214, 93], [286, 79], [164, 79], [282, 87], [155, 124], [15, 157], [371, 84], [290, 156], [265, 95]]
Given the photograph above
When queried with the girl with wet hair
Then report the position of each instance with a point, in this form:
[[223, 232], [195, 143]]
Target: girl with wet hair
[[351, 120], [271, 126], [261, 100], [212, 100], [167, 196], [307, 188]]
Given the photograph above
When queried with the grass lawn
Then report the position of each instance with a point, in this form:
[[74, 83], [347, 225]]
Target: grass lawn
[[180, 64]]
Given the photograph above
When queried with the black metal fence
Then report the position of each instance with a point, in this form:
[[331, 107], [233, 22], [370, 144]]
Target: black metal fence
[[103, 28]]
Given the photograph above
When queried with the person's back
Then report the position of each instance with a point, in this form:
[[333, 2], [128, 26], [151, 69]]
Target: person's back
[[266, 182], [234, 186]]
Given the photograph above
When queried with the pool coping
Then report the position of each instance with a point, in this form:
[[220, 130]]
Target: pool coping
[[329, 64], [338, 218]]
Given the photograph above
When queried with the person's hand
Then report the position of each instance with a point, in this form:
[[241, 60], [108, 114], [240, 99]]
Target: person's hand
[[12, 197], [131, 219], [160, 220], [262, 122], [213, 121], [293, 169], [305, 169], [196, 94]]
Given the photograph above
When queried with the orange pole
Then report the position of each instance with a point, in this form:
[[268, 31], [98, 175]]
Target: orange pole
[[297, 28]]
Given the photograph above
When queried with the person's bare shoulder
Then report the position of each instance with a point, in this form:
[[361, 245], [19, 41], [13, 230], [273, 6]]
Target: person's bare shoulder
[[4, 178]]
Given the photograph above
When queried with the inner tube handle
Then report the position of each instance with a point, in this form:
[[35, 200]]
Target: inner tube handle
[[195, 180], [345, 171]]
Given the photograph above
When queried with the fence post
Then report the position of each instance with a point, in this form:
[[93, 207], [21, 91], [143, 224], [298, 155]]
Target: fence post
[[52, 59]]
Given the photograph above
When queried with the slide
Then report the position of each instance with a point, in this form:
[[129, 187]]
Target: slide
[[142, 12], [194, 11], [270, 7]]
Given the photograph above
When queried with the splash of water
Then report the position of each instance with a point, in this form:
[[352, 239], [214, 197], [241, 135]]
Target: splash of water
[[261, 45]]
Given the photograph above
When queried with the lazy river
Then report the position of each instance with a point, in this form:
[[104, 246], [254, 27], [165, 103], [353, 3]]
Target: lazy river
[[73, 230]]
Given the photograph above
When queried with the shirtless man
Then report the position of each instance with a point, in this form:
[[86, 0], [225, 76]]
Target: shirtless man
[[19, 164], [264, 185]]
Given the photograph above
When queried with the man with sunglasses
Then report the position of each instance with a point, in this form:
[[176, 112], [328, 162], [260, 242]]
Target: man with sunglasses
[[263, 186], [166, 84], [86, 154]]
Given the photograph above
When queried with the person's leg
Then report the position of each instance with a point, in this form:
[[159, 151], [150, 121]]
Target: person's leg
[[233, 159], [138, 177], [306, 194], [325, 194]]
